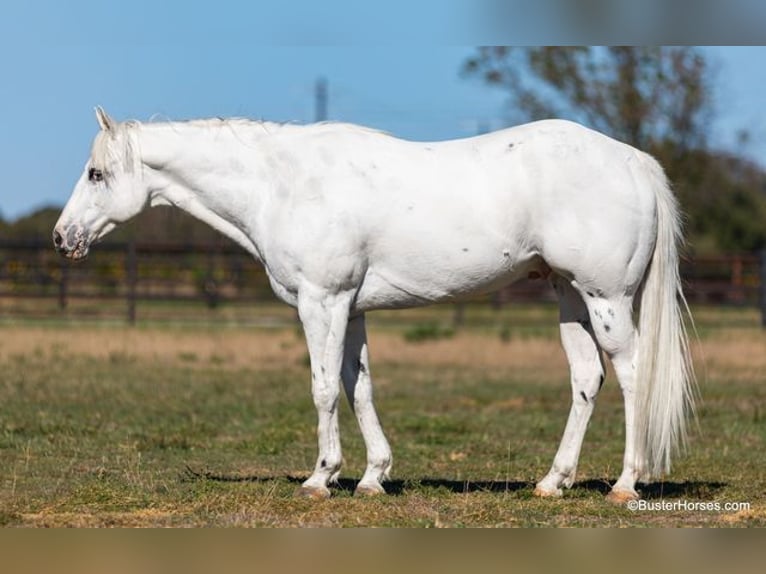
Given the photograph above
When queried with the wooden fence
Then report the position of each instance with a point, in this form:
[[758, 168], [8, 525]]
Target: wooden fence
[[129, 273]]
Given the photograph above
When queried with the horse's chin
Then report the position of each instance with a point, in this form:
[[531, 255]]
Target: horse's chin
[[79, 252], [82, 247]]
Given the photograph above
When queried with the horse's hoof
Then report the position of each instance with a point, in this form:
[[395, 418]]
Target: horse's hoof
[[542, 493], [621, 497], [313, 492], [369, 490]]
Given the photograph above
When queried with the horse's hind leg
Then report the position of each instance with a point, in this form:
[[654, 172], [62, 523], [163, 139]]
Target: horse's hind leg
[[358, 386], [587, 376], [612, 321]]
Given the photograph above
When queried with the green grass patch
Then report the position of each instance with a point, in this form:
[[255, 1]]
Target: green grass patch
[[428, 332], [123, 439]]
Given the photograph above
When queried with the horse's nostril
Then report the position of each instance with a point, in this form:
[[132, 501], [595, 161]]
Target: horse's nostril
[[57, 239]]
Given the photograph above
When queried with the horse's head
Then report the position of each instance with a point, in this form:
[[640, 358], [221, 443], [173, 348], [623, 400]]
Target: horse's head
[[109, 191]]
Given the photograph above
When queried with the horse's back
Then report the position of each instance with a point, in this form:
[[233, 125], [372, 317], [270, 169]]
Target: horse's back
[[552, 189], [432, 221]]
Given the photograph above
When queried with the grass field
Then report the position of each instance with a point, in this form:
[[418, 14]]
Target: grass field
[[209, 425]]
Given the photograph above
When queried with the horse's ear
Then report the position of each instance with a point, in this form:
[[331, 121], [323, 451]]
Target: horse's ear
[[106, 123]]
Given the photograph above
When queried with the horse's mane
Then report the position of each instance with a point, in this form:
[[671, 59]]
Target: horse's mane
[[274, 127], [121, 142]]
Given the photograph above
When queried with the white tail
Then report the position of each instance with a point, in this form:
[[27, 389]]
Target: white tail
[[665, 376]]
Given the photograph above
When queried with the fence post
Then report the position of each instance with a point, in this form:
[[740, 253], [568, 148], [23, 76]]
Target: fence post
[[738, 293], [210, 287], [762, 290], [131, 272], [63, 284]]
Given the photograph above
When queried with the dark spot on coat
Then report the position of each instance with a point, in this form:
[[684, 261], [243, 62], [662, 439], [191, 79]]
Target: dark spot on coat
[[362, 368], [465, 250], [323, 464], [610, 311], [322, 369], [590, 293], [510, 145], [607, 328], [597, 313], [582, 394]]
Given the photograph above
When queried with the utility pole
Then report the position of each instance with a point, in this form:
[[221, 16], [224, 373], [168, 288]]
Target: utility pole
[[320, 99]]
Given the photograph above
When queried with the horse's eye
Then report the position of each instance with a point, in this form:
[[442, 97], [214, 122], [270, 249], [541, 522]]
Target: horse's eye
[[95, 175]]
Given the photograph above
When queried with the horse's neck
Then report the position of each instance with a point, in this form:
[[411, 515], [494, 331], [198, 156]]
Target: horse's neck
[[221, 183]]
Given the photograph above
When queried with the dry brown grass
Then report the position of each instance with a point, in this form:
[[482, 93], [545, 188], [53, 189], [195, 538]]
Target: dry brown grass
[[237, 348], [225, 348], [258, 348], [736, 349]]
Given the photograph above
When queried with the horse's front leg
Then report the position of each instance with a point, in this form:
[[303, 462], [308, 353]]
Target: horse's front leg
[[358, 386], [324, 317]]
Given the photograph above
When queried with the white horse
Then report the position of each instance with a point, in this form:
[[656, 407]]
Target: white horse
[[346, 219]]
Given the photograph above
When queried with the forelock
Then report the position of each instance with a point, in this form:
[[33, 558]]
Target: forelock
[[114, 146]]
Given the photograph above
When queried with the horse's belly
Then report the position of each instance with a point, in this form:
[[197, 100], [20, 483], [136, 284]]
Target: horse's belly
[[424, 282]]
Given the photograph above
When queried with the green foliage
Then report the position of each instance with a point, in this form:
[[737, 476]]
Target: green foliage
[[723, 196], [35, 226], [427, 332]]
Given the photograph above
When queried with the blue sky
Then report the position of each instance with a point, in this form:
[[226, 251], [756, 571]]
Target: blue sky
[[147, 59]]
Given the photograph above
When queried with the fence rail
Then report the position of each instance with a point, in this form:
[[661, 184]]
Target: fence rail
[[222, 273]]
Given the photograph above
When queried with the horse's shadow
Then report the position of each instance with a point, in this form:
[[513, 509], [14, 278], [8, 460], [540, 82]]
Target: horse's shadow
[[690, 489], [700, 490]]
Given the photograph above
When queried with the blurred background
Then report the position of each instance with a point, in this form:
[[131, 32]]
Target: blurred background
[[697, 109], [158, 383]]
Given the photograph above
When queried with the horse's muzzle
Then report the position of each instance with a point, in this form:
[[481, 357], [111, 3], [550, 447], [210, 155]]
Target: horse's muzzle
[[75, 249]]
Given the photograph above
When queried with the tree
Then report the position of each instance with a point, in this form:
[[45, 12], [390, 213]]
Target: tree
[[657, 99], [640, 95]]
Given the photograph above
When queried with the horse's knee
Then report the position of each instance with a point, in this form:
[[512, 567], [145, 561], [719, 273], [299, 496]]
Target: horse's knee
[[325, 394]]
